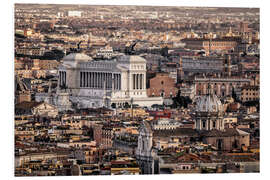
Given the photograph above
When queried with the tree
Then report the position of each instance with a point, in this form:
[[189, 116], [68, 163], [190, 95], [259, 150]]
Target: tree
[[234, 96], [113, 105], [126, 105], [181, 101], [164, 51]]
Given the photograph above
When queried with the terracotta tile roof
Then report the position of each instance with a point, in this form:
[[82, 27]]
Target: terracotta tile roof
[[175, 132], [227, 133], [27, 105]]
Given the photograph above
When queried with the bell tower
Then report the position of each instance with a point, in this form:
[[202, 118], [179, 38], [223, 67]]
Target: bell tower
[[145, 155]]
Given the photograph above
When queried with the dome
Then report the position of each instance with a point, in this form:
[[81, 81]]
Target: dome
[[77, 57], [209, 103]]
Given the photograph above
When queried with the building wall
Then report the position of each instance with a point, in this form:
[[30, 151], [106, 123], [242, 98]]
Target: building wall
[[228, 141], [250, 93], [115, 81], [221, 86], [162, 85]]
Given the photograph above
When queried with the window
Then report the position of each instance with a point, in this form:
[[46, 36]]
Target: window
[[204, 124], [214, 124], [162, 93], [162, 82]]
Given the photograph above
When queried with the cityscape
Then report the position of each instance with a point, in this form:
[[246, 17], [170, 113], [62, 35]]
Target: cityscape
[[134, 90]]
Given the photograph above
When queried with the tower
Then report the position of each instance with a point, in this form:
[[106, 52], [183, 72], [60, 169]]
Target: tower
[[210, 44], [244, 27], [145, 154], [227, 65], [180, 72]]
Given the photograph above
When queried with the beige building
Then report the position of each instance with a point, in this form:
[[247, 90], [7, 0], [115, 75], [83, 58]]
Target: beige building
[[229, 139], [221, 86], [250, 93]]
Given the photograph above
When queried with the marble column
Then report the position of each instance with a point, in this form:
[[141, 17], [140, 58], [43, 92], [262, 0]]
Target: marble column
[[94, 79], [144, 81], [86, 79], [119, 81], [140, 81], [133, 81], [60, 78], [65, 78], [136, 82], [102, 80], [117, 78], [98, 79], [90, 76], [110, 80], [83, 79]]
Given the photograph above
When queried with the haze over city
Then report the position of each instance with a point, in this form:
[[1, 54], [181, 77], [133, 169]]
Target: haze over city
[[131, 90]]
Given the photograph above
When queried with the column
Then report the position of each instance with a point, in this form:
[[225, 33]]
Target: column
[[137, 81], [65, 78], [133, 81], [114, 82], [227, 86], [94, 79], [90, 79], [135, 87], [110, 81], [98, 80], [102, 80], [59, 78], [140, 81], [119, 81], [86, 79], [85, 76], [107, 80], [143, 80], [82, 79]]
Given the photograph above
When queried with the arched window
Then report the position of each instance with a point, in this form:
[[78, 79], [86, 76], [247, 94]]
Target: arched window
[[204, 124], [214, 124], [162, 93]]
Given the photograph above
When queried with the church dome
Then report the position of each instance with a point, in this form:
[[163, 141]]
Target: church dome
[[209, 103], [77, 57]]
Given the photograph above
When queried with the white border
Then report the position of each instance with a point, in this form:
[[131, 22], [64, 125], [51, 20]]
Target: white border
[[7, 106]]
